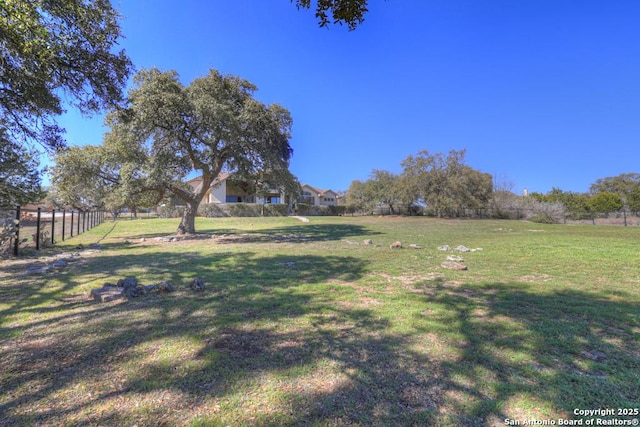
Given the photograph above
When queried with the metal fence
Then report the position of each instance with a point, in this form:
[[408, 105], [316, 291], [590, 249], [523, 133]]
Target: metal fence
[[623, 217], [38, 228]]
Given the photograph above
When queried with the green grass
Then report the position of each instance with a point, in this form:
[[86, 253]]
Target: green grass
[[299, 325]]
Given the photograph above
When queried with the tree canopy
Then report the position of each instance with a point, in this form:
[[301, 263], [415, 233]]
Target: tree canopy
[[349, 12], [19, 176], [168, 131], [55, 52], [442, 185], [626, 185], [445, 184]]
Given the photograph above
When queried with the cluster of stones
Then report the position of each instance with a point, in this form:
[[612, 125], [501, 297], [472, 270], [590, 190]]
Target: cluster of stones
[[394, 245], [398, 245], [130, 288], [455, 262], [60, 261]]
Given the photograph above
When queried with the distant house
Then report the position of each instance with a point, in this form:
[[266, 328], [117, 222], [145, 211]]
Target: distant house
[[317, 197], [226, 189]]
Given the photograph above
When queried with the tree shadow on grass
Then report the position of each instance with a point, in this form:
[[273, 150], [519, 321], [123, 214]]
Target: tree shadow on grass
[[72, 342], [270, 343], [293, 233], [531, 354]]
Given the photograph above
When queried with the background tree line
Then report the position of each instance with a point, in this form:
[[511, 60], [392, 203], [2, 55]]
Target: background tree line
[[435, 183], [444, 186]]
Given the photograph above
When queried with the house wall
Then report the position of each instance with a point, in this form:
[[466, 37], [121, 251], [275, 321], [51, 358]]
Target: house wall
[[310, 194], [218, 194], [328, 198]]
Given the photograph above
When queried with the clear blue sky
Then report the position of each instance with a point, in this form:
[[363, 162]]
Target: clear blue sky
[[543, 93]]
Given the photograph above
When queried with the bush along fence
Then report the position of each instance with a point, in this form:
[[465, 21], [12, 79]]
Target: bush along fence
[[38, 228]]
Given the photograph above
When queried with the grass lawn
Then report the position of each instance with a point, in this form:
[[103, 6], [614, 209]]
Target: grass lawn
[[302, 324]]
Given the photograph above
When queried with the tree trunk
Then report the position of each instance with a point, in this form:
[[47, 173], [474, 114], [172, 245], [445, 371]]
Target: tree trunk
[[188, 222]]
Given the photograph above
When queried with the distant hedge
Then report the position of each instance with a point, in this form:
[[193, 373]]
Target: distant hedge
[[313, 210], [217, 210]]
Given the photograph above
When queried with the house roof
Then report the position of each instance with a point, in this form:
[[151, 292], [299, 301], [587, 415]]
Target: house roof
[[221, 177], [318, 190]]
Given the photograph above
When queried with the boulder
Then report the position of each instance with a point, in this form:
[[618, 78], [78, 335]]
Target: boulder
[[461, 248], [149, 288], [106, 293], [128, 282], [197, 285], [368, 242], [165, 287], [395, 245], [455, 258], [133, 292], [444, 248]]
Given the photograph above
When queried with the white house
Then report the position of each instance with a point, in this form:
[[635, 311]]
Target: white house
[[317, 197], [227, 190]]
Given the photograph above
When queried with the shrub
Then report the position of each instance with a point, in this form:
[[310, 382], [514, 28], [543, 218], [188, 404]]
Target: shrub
[[542, 218], [170, 211], [7, 235], [276, 210], [313, 210], [212, 210], [217, 210]]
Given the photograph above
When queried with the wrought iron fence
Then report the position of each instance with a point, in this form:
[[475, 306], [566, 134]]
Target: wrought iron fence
[[38, 228]]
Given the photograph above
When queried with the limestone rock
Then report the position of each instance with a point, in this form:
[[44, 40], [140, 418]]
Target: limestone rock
[[133, 292], [149, 288], [444, 248], [414, 246], [106, 293], [165, 287], [128, 282], [451, 265], [368, 242], [455, 258], [395, 245], [197, 285], [461, 248]]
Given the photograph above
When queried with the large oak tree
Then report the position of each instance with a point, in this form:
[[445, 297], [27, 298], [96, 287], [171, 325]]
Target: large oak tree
[[213, 125]]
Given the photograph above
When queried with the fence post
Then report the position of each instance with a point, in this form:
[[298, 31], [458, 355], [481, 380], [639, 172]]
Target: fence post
[[71, 223], [38, 230], [64, 211], [78, 227], [53, 225], [624, 214], [16, 244]]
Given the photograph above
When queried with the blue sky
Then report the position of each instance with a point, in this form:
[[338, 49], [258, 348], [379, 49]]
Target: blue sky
[[542, 93]]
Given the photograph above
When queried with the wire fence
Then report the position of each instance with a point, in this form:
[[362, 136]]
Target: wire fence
[[622, 217], [38, 228]]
